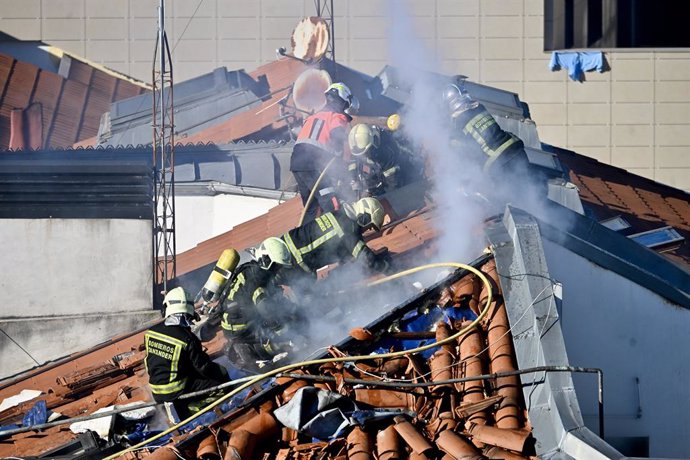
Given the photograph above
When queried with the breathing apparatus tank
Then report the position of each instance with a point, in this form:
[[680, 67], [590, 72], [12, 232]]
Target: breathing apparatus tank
[[220, 275]]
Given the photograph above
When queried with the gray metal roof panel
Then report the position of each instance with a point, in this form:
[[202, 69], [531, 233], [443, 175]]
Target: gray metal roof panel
[[199, 103], [189, 91], [554, 411], [544, 159], [75, 185]]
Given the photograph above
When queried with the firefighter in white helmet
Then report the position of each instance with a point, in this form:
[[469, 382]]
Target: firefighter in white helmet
[[321, 139], [381, 161], [256, 312], [175, 359]]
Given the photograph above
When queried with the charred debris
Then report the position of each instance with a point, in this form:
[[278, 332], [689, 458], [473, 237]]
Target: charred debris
[[460, 400]]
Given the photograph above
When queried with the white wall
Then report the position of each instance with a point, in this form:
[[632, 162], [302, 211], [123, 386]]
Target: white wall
[[199, 218], [631, 333], [71, 266], [69, 284]]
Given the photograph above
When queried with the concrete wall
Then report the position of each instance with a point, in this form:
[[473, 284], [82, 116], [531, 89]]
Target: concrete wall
[[209, 216], [70, 266], [69, 284], [636, 116], [639, 340], [46, 339]]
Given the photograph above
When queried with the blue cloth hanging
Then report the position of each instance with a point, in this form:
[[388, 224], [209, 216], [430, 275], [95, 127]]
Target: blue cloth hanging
[[578, 62]]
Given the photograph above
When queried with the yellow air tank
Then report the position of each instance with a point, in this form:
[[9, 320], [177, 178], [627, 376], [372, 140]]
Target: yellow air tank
[[220, 275]]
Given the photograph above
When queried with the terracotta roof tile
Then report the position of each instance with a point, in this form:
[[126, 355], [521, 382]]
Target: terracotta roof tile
[[608, 191], [71, 108]]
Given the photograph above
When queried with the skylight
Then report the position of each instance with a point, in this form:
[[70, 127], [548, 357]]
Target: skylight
[[615, 223], [658, 237]]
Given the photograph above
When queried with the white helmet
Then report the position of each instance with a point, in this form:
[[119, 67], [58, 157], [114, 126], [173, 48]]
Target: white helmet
[[272, 250], [354, 107], [177, 301], [362, 138], [340, 92], [369, 211]]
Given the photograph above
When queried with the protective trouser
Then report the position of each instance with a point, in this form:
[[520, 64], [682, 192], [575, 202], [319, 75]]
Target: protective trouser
[[325, 197]]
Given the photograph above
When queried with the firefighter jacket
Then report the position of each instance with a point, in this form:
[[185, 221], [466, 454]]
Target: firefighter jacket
[[250, 287], [387, 167], [481, 126], [321, 138], [175, 358], [332, 237]]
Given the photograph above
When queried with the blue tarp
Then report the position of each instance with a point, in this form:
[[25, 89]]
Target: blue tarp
[[37, 415], [415, 321]]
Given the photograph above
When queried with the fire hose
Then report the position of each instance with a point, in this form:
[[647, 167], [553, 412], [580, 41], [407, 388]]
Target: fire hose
[[290, 367], [313, 190]]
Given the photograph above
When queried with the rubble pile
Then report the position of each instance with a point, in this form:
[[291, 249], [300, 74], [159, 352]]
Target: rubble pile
[[415, 406]]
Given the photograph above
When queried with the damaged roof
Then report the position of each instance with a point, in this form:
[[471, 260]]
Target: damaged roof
[[461, 418]]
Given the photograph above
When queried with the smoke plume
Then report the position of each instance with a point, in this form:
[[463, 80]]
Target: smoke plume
[[425, 122]]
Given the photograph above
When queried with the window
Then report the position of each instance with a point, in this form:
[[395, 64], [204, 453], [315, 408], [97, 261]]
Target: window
[[655, 238], [576, 24]]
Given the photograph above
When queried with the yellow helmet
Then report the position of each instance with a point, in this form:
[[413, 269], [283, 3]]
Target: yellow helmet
[[340, 91], [369, 211], [362, 138], [177, 301], [271, 251], [393, 122]]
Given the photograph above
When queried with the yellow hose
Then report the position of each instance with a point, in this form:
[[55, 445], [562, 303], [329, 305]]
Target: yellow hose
[[289, 367], [313, 190]]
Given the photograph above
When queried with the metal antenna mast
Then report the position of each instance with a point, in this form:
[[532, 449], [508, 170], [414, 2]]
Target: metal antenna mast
[[163, 160], [324, 10]]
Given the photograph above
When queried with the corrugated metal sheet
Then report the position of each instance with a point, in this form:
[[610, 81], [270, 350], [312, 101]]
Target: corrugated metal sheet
[[71, 107], [62, 183], [75, 185], [199, 103]]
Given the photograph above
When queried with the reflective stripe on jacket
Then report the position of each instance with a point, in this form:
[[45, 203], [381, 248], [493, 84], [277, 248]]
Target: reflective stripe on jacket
[[250, 285], [330, 238], [176, 359], [482, 127], [317, 130], [163, 362]]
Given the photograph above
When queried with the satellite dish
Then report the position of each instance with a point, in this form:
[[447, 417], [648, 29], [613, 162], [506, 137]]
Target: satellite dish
[[309, 88], [310, 39]]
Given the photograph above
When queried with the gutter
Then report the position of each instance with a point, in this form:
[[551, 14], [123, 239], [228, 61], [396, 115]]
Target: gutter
[[213, 188]]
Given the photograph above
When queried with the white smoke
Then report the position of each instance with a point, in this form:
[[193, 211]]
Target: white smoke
[[455, 180], [459, 190]]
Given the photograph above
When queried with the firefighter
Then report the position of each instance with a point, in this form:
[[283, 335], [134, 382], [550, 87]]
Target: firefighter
[[321, 139], [175, 360], [474, 128], [337, 237], [381, 160], [256, 315]]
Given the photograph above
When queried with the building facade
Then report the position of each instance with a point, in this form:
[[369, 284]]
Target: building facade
[[635, 115]]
